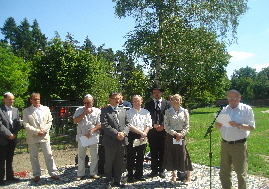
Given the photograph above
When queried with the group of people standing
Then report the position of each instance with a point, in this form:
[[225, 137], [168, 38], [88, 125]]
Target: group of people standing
[[162, 123], [126, 130]]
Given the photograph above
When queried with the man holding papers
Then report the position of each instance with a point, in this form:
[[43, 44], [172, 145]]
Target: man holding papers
[[88, 120], [234, 133], [140, 120]]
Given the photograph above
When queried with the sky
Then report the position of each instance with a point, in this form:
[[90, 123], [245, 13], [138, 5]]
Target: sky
[[96, 19]]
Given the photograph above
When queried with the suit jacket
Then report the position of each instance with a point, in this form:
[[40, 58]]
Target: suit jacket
[[111, 126], [30, 123], [6, 129], [150, 106]]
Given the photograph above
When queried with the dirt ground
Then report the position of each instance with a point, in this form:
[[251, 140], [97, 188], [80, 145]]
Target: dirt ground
[[21, 162]]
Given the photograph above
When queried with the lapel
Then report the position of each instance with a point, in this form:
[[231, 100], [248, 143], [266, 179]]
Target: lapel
[[113, 113], [5, 113], [33, 114]]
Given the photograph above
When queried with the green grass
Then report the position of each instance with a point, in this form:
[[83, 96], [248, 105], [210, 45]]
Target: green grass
[[198, 146]]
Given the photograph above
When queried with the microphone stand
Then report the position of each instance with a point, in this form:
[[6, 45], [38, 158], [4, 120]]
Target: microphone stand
[[209, 130]]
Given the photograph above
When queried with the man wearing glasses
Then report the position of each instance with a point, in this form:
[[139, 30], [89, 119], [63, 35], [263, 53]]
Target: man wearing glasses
[[88, 120], [116, 128], [234, 146]]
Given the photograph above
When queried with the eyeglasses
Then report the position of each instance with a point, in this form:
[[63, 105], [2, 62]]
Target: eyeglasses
[[176, 100], [87, 102], [233, 98]]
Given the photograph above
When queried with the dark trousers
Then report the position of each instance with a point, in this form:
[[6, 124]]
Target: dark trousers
[[135, 156], [156, 144], [6, 157], [114, 160]]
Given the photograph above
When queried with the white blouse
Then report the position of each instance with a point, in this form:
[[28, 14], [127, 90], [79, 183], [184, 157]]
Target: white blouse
[[176, 121]]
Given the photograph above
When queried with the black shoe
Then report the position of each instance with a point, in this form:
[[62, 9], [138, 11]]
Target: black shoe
[[2, 183], [162, 175], [13, 179], [153, 174], [118, 184], [130, 180], [140, 178], [107, 186]]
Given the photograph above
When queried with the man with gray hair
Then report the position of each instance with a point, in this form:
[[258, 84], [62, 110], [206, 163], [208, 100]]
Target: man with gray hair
[[88, 120], [234, 134], [9, 128]]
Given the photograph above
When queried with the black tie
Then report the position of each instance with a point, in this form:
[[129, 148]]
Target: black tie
[[117, 113], [157, 112]]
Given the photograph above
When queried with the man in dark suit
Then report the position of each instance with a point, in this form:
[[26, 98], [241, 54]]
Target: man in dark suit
[[9, 128], [156, 136], [116, 127]]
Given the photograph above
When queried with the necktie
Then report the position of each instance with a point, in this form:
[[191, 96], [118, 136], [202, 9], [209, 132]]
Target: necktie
[[157, 112], [117, 113]]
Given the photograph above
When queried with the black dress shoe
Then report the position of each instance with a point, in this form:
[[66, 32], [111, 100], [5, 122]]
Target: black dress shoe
[[153, 174], [107, 186], [140, 178], [13, 179], [162, 175], [2, 183], [118, 184]]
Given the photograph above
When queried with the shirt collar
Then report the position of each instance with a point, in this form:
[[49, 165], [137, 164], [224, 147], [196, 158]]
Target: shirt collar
[[237, 107], [160, 100], [113, 107], [8, 108], [39, 108]]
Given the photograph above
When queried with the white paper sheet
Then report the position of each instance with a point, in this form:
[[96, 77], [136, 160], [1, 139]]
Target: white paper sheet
[[224, 119], [177, 142], [137, 142], [86, 142]]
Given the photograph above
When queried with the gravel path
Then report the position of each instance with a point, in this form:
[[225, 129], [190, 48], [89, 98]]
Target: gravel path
[[68, 180]]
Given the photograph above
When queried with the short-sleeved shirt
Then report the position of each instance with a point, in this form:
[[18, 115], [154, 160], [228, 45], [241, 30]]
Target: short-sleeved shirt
[[241, 114], [88, 122], [140, 119]]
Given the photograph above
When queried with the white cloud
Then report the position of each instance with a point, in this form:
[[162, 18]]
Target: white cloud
[[259, 67], [237, 56]]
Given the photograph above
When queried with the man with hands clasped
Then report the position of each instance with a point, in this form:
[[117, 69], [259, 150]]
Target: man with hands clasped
[[116, 127], [141, 123], [156, 135], [88, 120], [37, 121], [234, 135], [9, 128]]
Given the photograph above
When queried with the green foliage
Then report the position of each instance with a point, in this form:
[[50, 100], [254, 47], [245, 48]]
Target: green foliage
[[201, 119], [25, 39], [64, 72], [14, 76]]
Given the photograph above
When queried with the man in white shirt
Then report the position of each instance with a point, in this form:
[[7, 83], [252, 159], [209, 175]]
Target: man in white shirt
[[37, 121], [88, 120], [234, 145], [141, 122]]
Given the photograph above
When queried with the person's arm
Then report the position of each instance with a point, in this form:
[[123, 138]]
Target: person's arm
[[49, 120], [26, 123]]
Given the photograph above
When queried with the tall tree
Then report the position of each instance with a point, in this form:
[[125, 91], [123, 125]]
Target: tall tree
[[10, 31], [25, 39], [14, 76], [152, 15]]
